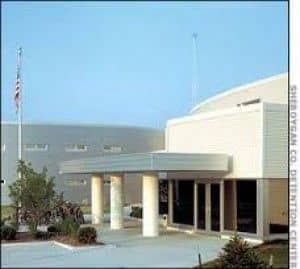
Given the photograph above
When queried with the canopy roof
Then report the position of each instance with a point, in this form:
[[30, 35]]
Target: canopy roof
[[147, 162]]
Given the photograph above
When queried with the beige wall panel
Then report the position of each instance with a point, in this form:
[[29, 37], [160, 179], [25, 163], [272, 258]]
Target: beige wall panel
[[275, 141], [237, 134], [278, 201], [229, 206]]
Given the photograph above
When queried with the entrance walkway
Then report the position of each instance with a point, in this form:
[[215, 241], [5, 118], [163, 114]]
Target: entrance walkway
[[124, 248]]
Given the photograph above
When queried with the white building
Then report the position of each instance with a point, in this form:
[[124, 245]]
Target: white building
[[225, 167]]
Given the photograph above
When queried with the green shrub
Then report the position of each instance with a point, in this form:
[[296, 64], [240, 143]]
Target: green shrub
[[54, 228], [87, 235], [15, 225], [3, 220], [237, 254], [69, 226], [8, 232], [136, 212], [32, 226], [35, 191], [42, 235]]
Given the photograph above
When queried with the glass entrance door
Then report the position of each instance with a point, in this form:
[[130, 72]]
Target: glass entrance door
[[215, 206], [183, 202], [246, 206], [201, 206]]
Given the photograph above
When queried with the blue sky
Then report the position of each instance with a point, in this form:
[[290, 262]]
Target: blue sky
[[131, 63]]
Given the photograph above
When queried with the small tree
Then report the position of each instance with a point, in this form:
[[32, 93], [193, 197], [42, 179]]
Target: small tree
[[237, 254], [34, 191]]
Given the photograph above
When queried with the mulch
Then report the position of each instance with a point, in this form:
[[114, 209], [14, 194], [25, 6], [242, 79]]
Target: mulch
[[22, 237], [73, 242]]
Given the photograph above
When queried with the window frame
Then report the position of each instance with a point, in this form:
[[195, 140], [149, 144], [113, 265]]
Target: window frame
[[36, 147], [71, 182], [112, 148], [74, 148]]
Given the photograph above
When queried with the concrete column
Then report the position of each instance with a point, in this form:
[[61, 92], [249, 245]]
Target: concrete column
[[150, 205], [230, 205], [222, 206], [97, 190], [262, 207], [116, 202]]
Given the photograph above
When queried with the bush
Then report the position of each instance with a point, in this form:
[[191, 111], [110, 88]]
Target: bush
[[55, 228], [238, 254], [35, 192], [15, 225], [8, 232], [87, 235], [4, 220], [136, 212], [69, 226], [32, 227], [42, 235]]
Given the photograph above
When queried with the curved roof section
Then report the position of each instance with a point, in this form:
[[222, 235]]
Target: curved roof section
[[272, 89], [93, 125]]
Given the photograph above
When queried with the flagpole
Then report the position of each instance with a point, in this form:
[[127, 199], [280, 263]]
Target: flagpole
[[19, 55], [19, 111]]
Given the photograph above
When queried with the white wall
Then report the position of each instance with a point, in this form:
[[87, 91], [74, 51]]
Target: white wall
[[275, 151], [236, 131], [272, 90]]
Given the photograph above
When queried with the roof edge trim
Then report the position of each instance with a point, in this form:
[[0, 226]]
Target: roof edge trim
[[237, 89]]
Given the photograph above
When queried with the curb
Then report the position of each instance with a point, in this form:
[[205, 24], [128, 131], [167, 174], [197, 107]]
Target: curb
[[19, 244], [66, 246]]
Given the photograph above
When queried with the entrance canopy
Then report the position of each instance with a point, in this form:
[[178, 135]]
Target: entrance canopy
[[148, 162]]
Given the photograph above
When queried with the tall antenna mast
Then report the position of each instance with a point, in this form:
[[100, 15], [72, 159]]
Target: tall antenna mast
[[195, 82]]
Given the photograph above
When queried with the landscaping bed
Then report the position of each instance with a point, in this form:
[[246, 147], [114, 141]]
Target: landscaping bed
[[68, 231], [39, 204], [279, 250], [24, 237], [73, 242]]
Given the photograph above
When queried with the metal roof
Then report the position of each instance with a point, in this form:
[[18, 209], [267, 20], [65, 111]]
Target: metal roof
[[92, 125], [237, 89], [147, 162]]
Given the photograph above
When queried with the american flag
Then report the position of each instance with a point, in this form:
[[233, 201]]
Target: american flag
[[18, 81]]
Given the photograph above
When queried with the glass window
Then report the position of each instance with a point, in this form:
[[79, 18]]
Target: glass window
[[36, 147], [201, 206], [76, 147], [112, 148], [215, 206], [183, 202], [163, 197], [250, 102], [76, 182], [246, 206]]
